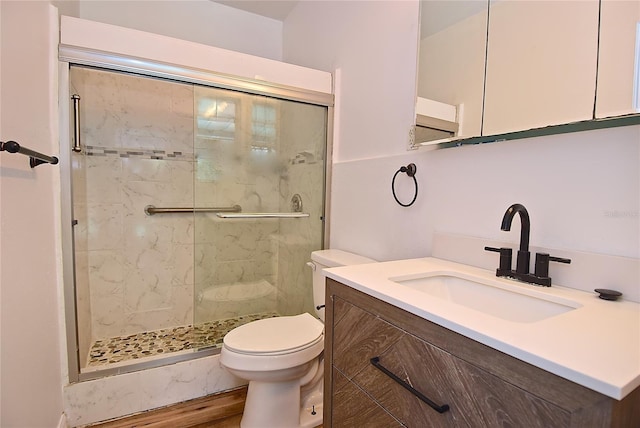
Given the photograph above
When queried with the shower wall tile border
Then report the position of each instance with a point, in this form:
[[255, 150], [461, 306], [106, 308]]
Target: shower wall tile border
[[138, 153]]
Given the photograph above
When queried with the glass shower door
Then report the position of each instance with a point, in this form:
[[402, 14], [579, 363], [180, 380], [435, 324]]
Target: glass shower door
[[266, 156], [160, 267], [134, 275]]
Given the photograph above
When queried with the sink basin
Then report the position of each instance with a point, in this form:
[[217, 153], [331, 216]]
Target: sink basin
[[506, 301]]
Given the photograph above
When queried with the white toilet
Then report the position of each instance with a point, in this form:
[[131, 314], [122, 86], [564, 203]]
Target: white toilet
[[281, 358]]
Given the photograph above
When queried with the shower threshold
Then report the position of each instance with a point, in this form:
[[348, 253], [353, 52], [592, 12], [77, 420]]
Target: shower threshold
[[152, 345]]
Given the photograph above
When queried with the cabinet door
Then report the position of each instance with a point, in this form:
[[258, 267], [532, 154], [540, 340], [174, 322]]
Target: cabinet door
[[619, 62], [452, 57], [475, 397], [541, 64]]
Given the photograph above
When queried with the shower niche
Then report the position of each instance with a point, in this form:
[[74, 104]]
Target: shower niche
[[172, 282]]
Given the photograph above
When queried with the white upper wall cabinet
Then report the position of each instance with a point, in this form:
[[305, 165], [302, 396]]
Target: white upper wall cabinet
[[452, 57], [619, 63], [541, 64]]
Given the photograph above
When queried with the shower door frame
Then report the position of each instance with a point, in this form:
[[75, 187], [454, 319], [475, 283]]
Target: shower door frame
[[69, 56]]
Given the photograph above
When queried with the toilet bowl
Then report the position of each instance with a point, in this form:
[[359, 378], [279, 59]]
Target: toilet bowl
[[281, 358]]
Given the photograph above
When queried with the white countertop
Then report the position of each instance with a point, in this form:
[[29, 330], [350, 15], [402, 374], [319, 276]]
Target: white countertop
[[596, 345]]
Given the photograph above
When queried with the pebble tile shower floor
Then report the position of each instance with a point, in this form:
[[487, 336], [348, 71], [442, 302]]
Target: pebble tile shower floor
[[165, 341]]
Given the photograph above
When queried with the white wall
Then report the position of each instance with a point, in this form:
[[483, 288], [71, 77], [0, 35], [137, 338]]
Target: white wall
[[593, 176], [372, 46], [582, 189], [32, 373], [31, 379], [200, 21]]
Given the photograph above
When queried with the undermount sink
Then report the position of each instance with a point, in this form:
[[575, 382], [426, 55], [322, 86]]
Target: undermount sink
[[495, 298]]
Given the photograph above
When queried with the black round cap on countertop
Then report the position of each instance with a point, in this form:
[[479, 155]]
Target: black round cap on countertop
[[608, 294]]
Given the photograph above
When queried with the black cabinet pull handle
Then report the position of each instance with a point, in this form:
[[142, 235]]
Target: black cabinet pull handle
[[440, 409]]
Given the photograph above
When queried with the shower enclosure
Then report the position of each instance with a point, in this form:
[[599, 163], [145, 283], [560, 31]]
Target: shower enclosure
[[195, 210]]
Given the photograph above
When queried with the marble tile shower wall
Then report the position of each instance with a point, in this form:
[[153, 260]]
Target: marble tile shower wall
[[138, 145], [298, 238], [234, 258], [232, 252]]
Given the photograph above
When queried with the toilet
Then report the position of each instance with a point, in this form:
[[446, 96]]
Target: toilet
[[281, 358]]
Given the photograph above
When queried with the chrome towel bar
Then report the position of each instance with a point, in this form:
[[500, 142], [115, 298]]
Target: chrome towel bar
[[35, 158], [151, 210], [263, 215]]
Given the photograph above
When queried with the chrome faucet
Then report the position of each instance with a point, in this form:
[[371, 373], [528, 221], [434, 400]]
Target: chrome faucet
[[541, 273]]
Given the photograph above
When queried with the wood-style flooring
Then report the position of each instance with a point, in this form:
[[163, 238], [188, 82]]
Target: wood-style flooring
[[222, 410]]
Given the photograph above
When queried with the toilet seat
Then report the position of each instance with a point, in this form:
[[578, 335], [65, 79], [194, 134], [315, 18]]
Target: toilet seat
[[275, 336]]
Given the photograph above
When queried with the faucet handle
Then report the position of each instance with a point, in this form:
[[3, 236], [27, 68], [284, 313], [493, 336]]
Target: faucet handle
[[505, 259], [542, 264], [559, 260]]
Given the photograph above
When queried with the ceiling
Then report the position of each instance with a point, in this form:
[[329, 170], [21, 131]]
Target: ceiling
[[275, 9], [436, 15]]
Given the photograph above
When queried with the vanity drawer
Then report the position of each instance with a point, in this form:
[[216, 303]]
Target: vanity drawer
[[474, 397]]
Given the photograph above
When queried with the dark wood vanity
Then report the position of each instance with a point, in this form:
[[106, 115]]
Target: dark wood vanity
[[481, 386]]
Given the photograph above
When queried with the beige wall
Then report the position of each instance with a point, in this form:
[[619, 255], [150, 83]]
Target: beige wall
[[31, 375]]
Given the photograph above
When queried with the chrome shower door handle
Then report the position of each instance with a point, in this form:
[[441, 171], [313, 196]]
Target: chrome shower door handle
[[76, 123]]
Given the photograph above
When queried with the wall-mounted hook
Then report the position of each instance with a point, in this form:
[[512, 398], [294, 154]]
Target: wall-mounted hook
[[409, 169]]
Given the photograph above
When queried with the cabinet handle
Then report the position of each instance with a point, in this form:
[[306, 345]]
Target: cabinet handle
[[440, 409]]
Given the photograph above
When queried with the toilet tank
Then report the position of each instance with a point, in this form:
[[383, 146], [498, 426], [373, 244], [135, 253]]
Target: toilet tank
[[322, 259]]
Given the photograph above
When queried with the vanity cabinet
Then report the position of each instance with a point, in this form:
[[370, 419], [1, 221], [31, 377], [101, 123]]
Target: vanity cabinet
[[482, 387]]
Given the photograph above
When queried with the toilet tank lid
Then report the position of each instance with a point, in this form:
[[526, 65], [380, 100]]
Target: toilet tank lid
[[335, 258]]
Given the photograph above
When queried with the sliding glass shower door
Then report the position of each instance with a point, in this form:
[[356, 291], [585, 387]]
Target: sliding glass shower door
[[266, 157], [195, 210]]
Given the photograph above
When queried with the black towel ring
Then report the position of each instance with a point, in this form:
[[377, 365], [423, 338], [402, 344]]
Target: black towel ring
[[410, 170]]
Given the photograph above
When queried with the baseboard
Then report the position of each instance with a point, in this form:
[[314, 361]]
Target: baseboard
[[190, 413]]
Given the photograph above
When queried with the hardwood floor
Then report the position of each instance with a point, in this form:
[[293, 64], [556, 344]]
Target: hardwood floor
[[222, 410], [230, 422]]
